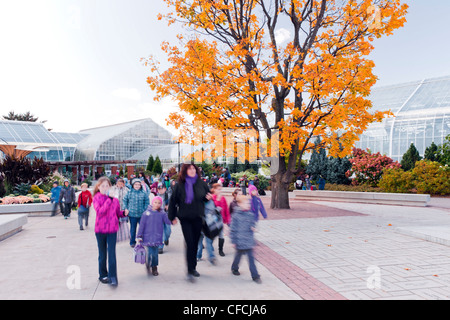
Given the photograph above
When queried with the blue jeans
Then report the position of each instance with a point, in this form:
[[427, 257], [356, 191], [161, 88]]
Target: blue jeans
[[166, 234], [106, 243], [251, 262], [133, 228], [152, 256], [209, 247]]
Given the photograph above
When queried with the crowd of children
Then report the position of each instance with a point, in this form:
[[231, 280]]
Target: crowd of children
[[146, 211]]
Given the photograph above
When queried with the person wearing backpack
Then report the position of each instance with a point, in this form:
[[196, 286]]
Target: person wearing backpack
[[84, 203], [163, 194]]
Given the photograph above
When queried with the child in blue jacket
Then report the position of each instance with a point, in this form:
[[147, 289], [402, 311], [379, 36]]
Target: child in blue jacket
[[56, 190], [242, 231]]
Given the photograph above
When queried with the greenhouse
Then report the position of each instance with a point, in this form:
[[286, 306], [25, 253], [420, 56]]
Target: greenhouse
[[422, 116], [121, 141], [33, 139]]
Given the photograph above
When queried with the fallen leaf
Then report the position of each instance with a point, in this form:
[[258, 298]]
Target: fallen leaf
[[435, 275], [407, 269], [389, 225]]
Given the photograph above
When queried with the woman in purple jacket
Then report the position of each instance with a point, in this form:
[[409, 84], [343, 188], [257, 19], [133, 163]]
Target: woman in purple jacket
[[151, 230], [106, 225]]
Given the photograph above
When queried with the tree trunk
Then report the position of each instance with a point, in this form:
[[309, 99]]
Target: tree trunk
[[280, 191]]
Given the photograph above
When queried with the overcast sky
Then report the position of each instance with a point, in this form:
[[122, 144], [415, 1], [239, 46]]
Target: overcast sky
[[75, 63]]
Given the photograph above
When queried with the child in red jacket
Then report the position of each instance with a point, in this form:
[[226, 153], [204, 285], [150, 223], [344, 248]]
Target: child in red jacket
[[221, 202], [84, 203]]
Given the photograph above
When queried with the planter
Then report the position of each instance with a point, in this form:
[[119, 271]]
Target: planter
[[30, 209]]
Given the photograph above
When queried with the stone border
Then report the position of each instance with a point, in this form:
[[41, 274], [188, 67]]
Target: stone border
[[11, 224], [30, 209], [400, 199]]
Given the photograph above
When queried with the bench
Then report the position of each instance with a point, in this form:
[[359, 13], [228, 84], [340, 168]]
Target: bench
[[11, 224], [399, 199]]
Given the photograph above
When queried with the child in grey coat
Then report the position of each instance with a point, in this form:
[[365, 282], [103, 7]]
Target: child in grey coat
[[242, 236]]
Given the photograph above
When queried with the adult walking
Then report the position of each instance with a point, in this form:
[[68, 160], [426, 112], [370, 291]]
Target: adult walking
[[106, 225], [67, 196], [187, 203]]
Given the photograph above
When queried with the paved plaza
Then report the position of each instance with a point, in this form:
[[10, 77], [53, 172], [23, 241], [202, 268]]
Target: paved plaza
[[316, 250]]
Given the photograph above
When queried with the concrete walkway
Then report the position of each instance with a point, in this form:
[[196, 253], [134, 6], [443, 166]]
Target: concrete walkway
[[316, 250]]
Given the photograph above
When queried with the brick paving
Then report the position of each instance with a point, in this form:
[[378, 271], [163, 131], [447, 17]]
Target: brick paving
[[302, 283], [346, 252]]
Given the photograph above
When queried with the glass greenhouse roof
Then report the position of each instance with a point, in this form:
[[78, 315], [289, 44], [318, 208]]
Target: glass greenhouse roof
[[421, 116], [23, 132]]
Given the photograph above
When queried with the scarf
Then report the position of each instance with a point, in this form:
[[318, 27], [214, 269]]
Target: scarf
[[189, 188]]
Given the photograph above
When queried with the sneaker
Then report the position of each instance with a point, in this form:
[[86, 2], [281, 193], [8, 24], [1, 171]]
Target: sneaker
[[166, 242], [221, 253], [81, 228], [155, 271], [104, 280], [113, 282], [160, 251], [194, 273], [235, 272], [257, 280], [213, 261]]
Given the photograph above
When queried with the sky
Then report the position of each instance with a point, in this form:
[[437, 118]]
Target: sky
[[76, 63]]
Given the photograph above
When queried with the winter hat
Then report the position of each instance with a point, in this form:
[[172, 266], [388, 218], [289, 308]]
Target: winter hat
[[251, 188], [135, 180], [157, 198]]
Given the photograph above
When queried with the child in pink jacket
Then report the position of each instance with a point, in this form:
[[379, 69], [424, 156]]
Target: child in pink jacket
[[221, 202], [106, 225]]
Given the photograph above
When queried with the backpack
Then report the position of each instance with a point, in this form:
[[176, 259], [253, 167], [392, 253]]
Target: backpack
[[212, 220], [139, 254]]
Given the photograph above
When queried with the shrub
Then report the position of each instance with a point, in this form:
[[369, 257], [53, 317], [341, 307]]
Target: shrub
[[396, 180], [427, 177], [22, 189], [359, 188], [410, 158], [368, 167], [431, 177], [35, 189]]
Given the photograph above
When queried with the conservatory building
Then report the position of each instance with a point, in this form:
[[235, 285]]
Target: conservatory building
[[122, 141], [23, 138], [421, 116]]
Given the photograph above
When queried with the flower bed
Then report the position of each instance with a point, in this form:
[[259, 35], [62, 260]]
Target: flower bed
[[31, 198]]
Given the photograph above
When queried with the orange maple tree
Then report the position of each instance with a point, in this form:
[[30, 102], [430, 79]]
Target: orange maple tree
[[237, 72]]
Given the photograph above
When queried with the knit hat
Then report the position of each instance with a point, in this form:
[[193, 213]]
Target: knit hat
[[135, 180], [251, 188], [157, 198]]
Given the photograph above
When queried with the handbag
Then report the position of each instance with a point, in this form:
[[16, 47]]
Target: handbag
[[123, 233], [212, 220], [139, 254], [82, 209]]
